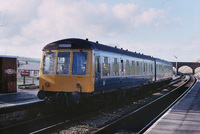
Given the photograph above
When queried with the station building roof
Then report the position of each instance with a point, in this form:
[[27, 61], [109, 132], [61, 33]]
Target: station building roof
[[30, 67]]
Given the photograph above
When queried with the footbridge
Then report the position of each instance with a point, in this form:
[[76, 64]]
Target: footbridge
[[192, 65]]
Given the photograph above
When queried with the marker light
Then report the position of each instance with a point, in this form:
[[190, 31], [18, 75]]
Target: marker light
[[47, 84]]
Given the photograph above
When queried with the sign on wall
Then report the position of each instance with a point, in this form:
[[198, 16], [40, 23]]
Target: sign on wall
[[25, 73], [9, 71]]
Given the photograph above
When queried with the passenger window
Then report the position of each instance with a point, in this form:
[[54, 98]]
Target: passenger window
[[122, 66], [151, 68], [160, 68], [127, 69], [97, 70], [138, 68], [79, 63], [106, 66], [157, 68], [49, 63], [133, 68], [115, 67], [63, 63], [141, 67], [144, 68]]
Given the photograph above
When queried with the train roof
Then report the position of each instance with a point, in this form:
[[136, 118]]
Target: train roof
[[75, 43], [163, 61]]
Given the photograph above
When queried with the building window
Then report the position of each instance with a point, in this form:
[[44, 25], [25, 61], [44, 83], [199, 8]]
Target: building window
[[36, 73], [106, 66], [115, 67]]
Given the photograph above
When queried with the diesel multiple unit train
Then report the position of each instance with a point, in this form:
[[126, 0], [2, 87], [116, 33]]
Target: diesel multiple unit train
[[75, 69]]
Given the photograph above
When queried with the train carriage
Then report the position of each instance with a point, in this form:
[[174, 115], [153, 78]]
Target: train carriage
[[121, 70], [163, 70], [77, 67]]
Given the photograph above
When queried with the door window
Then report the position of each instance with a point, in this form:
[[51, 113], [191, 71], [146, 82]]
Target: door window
[[79, 63]]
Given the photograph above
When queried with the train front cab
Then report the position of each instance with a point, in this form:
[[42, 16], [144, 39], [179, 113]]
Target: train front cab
[[68, 72]]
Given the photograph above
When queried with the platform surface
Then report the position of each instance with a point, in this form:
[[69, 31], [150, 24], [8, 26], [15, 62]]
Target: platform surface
[[22, 96], [183, 117]]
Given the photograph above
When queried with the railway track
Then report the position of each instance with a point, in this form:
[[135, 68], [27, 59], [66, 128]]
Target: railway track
[[62, 124], [39, 125], [48, 124], [141, 119]]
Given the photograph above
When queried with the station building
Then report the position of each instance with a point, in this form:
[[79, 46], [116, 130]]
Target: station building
[[8, 74]]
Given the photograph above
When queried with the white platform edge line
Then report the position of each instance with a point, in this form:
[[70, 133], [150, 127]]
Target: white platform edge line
[[148, 130]]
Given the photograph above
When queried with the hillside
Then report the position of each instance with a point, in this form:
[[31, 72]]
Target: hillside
[[29, 60], [23, 59]]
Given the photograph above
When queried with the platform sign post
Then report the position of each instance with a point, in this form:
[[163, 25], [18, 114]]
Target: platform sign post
[[24, 74], [24, 79]]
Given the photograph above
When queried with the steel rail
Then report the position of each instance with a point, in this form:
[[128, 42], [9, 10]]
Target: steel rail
[[164, 111], [21, 124], [51, 127], [110, 128], [60, 124]]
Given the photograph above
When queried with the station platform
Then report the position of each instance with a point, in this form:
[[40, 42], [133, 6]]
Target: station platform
[[183, 117], [22, 96]]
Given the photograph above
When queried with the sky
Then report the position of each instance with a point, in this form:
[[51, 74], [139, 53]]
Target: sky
[[164, 29]]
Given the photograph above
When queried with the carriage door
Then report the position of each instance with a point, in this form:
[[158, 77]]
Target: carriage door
[[122, 68], [97, 72]]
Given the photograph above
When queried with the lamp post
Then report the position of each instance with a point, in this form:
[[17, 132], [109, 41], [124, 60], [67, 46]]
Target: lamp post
[[176, 65]]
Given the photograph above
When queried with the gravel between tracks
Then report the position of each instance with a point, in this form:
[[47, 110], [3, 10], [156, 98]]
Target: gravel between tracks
[[107, 115]]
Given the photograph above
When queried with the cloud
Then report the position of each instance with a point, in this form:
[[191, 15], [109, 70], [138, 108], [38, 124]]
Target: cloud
[[86, 19], [162, 24], [18, 13], [125, 11], [178, 21], [147, 17], [3, 20], [34, 23]]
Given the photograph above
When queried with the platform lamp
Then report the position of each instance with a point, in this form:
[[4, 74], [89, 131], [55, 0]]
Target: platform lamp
[[176, 65]]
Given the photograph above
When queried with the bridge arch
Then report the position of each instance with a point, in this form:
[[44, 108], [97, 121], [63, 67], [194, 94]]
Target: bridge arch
[[185, 70], [192, 65], [197, 71]]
